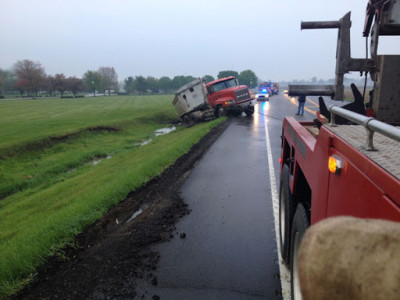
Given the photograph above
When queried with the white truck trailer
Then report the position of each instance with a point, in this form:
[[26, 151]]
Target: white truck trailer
[[191, 103]]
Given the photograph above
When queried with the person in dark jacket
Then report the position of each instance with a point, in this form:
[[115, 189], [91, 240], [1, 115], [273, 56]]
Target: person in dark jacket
[[302, 101]]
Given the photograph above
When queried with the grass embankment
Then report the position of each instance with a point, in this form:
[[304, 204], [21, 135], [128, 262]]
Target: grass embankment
[[50, 190]]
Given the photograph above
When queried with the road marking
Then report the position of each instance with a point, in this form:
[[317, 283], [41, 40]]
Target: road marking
[[283, 270], [313, 102]]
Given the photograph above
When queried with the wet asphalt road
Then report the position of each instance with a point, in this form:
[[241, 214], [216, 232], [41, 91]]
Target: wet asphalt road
[[226, 247]]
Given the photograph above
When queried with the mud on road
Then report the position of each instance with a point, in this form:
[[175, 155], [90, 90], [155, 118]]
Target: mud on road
[[105, 260]]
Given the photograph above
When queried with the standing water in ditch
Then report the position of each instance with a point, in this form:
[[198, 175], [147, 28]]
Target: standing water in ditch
[[163, 131], [158, 132]]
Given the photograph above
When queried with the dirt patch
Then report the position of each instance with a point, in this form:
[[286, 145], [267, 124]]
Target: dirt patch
[[103, 128], [107, 258]]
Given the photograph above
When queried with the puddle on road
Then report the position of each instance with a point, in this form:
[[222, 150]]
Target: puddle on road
[[137, 213]]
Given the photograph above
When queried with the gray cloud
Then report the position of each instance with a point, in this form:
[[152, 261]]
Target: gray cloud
[[178, 37]]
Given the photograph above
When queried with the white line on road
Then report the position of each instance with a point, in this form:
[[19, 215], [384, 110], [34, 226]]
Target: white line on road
[[283, 270]]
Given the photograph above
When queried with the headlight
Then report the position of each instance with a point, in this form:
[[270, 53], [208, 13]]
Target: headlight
[[229, 102]]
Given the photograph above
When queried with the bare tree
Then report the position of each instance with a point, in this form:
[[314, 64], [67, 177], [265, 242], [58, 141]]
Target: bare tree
[[21, 86], [30, 76], [75, 85], [60, 83], [50, 85], [109, 78]]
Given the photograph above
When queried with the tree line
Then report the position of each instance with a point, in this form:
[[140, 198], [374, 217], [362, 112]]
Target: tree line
[[30, 79], [142, 85]]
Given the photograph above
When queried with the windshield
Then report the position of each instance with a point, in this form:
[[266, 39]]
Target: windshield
[[224, 84]]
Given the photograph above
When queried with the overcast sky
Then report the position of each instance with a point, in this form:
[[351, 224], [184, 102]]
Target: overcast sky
[[180, 37]]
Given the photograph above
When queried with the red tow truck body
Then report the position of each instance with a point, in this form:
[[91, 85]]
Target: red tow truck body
[[368, 184], [351, 165]]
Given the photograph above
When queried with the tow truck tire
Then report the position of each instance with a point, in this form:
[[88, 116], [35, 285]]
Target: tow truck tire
[[286, 211], [300, 224], [249, 111]]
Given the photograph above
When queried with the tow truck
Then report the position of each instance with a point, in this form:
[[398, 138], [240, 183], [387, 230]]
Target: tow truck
[[346, 162]]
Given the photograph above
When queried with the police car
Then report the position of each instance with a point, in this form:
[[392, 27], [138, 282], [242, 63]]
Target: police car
[[262, 95]]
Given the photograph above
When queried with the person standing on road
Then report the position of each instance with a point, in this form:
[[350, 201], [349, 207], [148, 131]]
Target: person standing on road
[[302, 101]]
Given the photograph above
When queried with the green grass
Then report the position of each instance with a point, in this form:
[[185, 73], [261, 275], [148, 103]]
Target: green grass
[[49, 189]]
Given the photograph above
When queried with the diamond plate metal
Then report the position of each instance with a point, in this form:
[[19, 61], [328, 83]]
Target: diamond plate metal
[[388, 151]]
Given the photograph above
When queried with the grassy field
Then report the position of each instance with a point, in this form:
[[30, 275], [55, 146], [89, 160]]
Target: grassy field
[[64, 162]]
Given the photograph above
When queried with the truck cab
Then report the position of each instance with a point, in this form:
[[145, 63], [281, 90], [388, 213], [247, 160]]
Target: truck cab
[[226, 95]]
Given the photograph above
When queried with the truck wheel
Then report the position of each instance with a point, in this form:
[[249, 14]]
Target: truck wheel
[[299, 227], [192, 120], [186, 121], [286, 211], [221, 111], [249, 111]]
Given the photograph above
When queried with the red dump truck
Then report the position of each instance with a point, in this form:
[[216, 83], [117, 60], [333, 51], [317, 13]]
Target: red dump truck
[[344, 163], [197, 101]]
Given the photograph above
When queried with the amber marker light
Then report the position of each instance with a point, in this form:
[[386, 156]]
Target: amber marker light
[[335, 164]]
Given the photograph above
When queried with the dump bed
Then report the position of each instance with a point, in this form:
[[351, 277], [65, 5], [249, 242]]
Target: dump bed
[[191, 97]]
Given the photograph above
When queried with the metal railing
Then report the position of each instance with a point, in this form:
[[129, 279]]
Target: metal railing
[[370, 124]]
